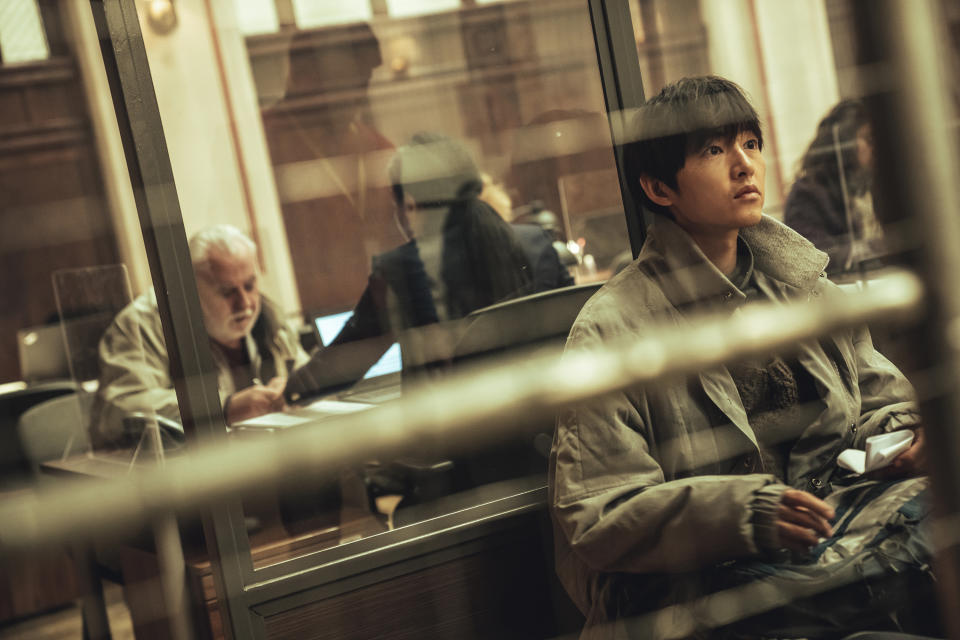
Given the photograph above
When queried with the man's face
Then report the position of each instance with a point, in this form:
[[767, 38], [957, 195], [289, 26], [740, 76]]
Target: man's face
[[720, 187], [229, 295]]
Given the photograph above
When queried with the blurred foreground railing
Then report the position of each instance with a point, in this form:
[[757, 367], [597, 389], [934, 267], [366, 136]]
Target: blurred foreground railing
[[466, 410]]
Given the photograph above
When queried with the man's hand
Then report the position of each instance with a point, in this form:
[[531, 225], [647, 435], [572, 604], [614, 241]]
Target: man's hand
[[256, 401], [802, 519], [911, 462]]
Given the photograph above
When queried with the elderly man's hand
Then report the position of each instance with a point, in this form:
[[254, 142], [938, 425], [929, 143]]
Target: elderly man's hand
[[802, 519], [256, 401]]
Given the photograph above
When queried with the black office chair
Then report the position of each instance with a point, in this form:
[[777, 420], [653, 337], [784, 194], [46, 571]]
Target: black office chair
[[533, 325], [538, 322]]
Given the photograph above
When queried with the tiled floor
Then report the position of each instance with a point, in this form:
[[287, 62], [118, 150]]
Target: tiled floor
[[65, 623]]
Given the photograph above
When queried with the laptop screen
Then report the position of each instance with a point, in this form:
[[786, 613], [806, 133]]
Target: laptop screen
[[329, 326]]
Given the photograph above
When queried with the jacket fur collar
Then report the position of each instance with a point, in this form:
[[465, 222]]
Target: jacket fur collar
[[687, 276]]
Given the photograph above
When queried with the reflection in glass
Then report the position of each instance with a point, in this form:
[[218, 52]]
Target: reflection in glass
[[381, 137]]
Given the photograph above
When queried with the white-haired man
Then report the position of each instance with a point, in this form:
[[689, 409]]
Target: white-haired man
[[248, 338]]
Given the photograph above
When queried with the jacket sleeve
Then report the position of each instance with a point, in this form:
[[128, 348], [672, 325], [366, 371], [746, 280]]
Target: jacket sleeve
[[887, 400], [617, 511], [134, 376]]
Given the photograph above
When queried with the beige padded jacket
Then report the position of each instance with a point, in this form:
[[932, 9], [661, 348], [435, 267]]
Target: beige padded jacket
[[645, 481]]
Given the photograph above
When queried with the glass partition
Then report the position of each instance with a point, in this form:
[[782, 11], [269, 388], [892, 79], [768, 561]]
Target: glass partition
[[446, 193], [335, 214]]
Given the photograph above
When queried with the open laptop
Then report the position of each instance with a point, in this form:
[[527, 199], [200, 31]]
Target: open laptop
[[42, 354], [381, 382]]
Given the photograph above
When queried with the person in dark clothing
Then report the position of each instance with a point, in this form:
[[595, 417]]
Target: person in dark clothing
[[548, 272], [459, 256], [536, 241], [831, 201]]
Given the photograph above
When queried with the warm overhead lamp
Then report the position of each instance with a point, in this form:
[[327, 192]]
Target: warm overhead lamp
[[161, 15]]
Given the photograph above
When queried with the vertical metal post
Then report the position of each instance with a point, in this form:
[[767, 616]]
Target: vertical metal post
[[902, 52], [93, 606], [191, 364], [173, 576], [622, 92]]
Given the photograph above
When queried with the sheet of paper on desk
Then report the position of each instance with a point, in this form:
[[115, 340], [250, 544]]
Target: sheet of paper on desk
[[277, 420], [301, 415], [880, 451], [330, 407]]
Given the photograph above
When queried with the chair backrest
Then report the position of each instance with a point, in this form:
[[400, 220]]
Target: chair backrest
[[88, 299], [55, 428], [537, 324], [541, 320]]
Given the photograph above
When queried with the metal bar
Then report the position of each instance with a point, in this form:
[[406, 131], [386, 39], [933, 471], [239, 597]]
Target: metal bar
[[93, 606], [191, 364], [622, 92], [173, 576], [466, 410], [904, 50]]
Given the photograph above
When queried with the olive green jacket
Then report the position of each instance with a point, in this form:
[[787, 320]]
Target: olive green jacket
[[645, 481], [135, 367]]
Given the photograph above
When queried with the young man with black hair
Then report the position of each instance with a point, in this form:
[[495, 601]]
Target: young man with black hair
[[665, 497]]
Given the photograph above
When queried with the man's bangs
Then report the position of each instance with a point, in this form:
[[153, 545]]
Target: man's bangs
[[720, 114]]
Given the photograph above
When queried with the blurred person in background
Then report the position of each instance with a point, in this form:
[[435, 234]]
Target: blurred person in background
[[714, 506], [253, 348], [831, 201], [537, 242], [459, 256]]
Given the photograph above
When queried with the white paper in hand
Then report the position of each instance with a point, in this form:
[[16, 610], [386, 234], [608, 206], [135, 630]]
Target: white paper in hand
[[880, 451]]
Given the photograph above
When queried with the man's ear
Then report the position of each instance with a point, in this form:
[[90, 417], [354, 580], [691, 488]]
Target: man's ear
[[656, 190]]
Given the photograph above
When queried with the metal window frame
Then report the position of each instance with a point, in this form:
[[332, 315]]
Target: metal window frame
[[161, 222], [242, 590], [623, 92]]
